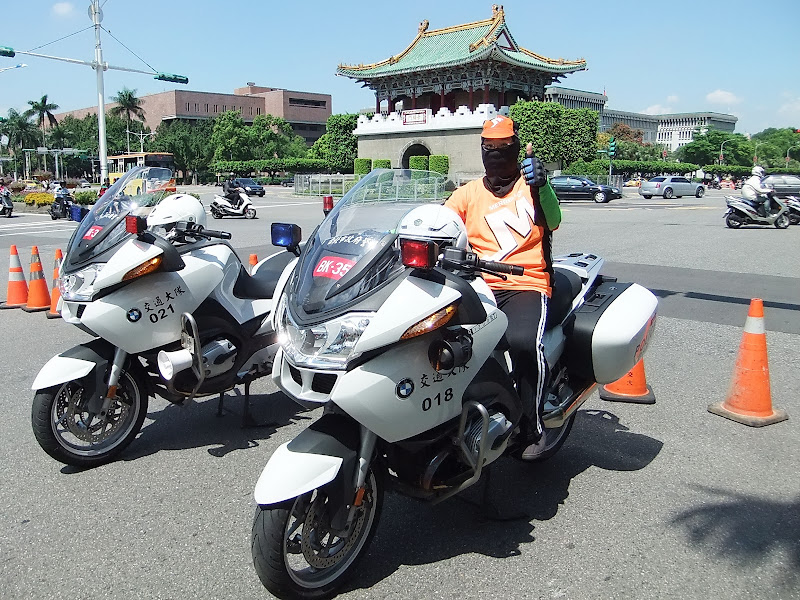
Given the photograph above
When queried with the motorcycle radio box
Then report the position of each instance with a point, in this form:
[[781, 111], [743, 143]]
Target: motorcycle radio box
[[609, 333]]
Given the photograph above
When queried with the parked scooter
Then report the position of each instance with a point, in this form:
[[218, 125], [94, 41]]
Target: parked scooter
[[387, 323], [6, 205], [160, 295], [221, 206], [742, 211], [62, 203], [793, 204]]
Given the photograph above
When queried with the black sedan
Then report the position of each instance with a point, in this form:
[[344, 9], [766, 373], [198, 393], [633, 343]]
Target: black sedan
[[784, 185], [568, 187], [250, 186]]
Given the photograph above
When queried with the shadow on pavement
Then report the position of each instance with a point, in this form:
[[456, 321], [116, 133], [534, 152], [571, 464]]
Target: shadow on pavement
[[197, 425], [412, 533], [744, 529]]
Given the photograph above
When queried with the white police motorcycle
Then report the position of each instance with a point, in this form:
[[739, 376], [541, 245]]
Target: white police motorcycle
[[386, 322], [172, 310], [221, 206]]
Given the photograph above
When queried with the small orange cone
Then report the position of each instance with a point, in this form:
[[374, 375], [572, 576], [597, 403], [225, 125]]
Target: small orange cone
[[56, 294], [38, 295], [632, 387], [17, 294], [749, 400], [253, 262]]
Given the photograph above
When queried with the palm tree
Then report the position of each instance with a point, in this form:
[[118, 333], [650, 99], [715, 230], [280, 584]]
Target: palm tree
[[43, 111], [127, 104], [20, 130]]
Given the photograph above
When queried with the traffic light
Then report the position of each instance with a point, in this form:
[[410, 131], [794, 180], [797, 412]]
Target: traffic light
[[612, 147], [6, 51], [171, 77]]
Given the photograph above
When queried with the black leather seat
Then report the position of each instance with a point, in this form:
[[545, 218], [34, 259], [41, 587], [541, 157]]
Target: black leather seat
[[262, 284], [566, 287]]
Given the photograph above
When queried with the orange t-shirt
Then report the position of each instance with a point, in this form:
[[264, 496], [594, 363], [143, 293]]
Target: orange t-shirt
[[503, 230]]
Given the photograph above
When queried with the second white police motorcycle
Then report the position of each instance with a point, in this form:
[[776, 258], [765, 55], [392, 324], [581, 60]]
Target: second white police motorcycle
[[172, 312], [386, 322]]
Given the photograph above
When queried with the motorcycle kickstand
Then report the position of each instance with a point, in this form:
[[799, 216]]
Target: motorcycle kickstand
[[247, 420]]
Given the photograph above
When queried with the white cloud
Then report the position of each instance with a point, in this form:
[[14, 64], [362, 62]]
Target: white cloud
[[722, 97], [672, 99], [657, 109], [63, 9]]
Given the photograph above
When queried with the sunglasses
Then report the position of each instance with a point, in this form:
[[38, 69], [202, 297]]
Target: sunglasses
[[488, 147]]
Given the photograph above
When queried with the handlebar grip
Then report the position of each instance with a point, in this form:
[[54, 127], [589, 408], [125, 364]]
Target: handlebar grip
[[502, 267], [217, 234]]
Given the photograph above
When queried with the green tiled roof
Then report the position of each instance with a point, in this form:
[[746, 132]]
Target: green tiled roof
[[459, 45]]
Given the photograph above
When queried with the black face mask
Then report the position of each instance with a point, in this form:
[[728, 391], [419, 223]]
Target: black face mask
[[502, 168]]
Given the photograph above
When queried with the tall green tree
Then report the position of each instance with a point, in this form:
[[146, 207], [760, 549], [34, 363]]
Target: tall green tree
[[129, 105], [704, 149], [21, 132], [773, 144], [342, 145], [189, 143], [229, 137], [43, 111]]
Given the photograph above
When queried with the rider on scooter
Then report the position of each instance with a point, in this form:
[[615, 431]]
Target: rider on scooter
[[497, 210], [755, 191], [231, 191]]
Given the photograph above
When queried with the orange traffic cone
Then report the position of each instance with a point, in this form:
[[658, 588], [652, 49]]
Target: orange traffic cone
[[632, 387], [38, 296], [253, 262], [56, 294], [17, 294], [749, 400]]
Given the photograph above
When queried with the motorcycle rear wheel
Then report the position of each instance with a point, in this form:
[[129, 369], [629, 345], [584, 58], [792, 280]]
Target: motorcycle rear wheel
[[793, 219], [297, 556], [733, 221], [68, 433]]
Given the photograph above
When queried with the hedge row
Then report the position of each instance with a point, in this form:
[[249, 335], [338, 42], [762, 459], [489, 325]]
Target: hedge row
[[439, 163], [271, 165], [362, 166], [418, 163], [628, 167], [381, 163], [738, 171]]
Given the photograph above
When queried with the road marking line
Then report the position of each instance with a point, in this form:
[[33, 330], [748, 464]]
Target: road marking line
[[43, 231]]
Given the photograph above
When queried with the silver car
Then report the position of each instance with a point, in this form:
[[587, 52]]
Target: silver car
[[671, 186]]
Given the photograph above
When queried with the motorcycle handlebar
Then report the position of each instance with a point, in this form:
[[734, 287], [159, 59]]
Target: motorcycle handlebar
[[223, 235]]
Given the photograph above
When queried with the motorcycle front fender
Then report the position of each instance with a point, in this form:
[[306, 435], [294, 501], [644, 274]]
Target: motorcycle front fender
[[311, 460], [85, 362]]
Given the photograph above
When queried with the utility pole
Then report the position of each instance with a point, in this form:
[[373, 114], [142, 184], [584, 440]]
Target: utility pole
[[141, 137]]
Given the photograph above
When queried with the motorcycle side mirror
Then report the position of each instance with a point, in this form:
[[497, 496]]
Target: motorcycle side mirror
[[286, 235]]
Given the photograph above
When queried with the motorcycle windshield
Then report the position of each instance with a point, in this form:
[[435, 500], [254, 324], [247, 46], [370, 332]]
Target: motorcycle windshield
[[354, 251], [135, 193]]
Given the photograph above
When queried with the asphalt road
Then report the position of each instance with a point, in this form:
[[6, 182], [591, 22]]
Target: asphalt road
[[661, 501]]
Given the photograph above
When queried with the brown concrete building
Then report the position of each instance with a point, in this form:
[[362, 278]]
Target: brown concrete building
[[306, 112]]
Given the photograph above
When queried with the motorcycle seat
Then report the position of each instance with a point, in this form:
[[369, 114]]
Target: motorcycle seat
[[566, 286], [262, 284]]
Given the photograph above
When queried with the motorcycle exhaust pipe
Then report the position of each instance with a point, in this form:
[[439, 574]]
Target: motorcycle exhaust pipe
[[172, 363]]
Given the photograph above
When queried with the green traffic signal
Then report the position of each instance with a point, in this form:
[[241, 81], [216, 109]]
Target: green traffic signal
[[7, 51], [612, 147], [171, 77]]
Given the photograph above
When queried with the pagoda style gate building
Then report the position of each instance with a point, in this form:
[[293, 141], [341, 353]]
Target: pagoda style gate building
[[449, 81]]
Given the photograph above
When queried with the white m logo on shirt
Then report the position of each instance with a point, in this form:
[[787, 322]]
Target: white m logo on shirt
[[503, 221]]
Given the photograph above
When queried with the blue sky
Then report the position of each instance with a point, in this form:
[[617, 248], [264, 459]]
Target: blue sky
[[731, 56]]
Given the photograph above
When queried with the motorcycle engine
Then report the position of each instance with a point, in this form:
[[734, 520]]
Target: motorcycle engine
[[218, 357]]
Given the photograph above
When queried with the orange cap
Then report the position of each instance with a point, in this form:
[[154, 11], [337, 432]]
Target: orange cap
[[499, 127]]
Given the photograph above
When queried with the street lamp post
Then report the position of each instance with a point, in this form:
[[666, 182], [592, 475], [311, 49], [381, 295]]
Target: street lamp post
[[141, 137], [755, 151], [721, 153], [787, 151], [96, 15]]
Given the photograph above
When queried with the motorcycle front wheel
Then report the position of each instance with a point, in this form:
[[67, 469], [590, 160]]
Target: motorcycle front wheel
[[782, 222], [70, 434], [250, 213], [295, 553]]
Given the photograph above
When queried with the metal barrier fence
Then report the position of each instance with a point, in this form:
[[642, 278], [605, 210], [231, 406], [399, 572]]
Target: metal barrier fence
[[321, 184]]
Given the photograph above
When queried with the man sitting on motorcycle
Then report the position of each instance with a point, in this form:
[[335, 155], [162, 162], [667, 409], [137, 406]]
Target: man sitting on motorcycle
[[231, 191], [755, 191], [510, 218]]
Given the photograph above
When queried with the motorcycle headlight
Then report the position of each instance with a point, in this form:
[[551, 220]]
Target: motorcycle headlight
[[79, 286], [328, 345]]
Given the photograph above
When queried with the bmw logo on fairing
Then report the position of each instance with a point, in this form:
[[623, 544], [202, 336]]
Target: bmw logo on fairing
[[405, 388], [134, 315]]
